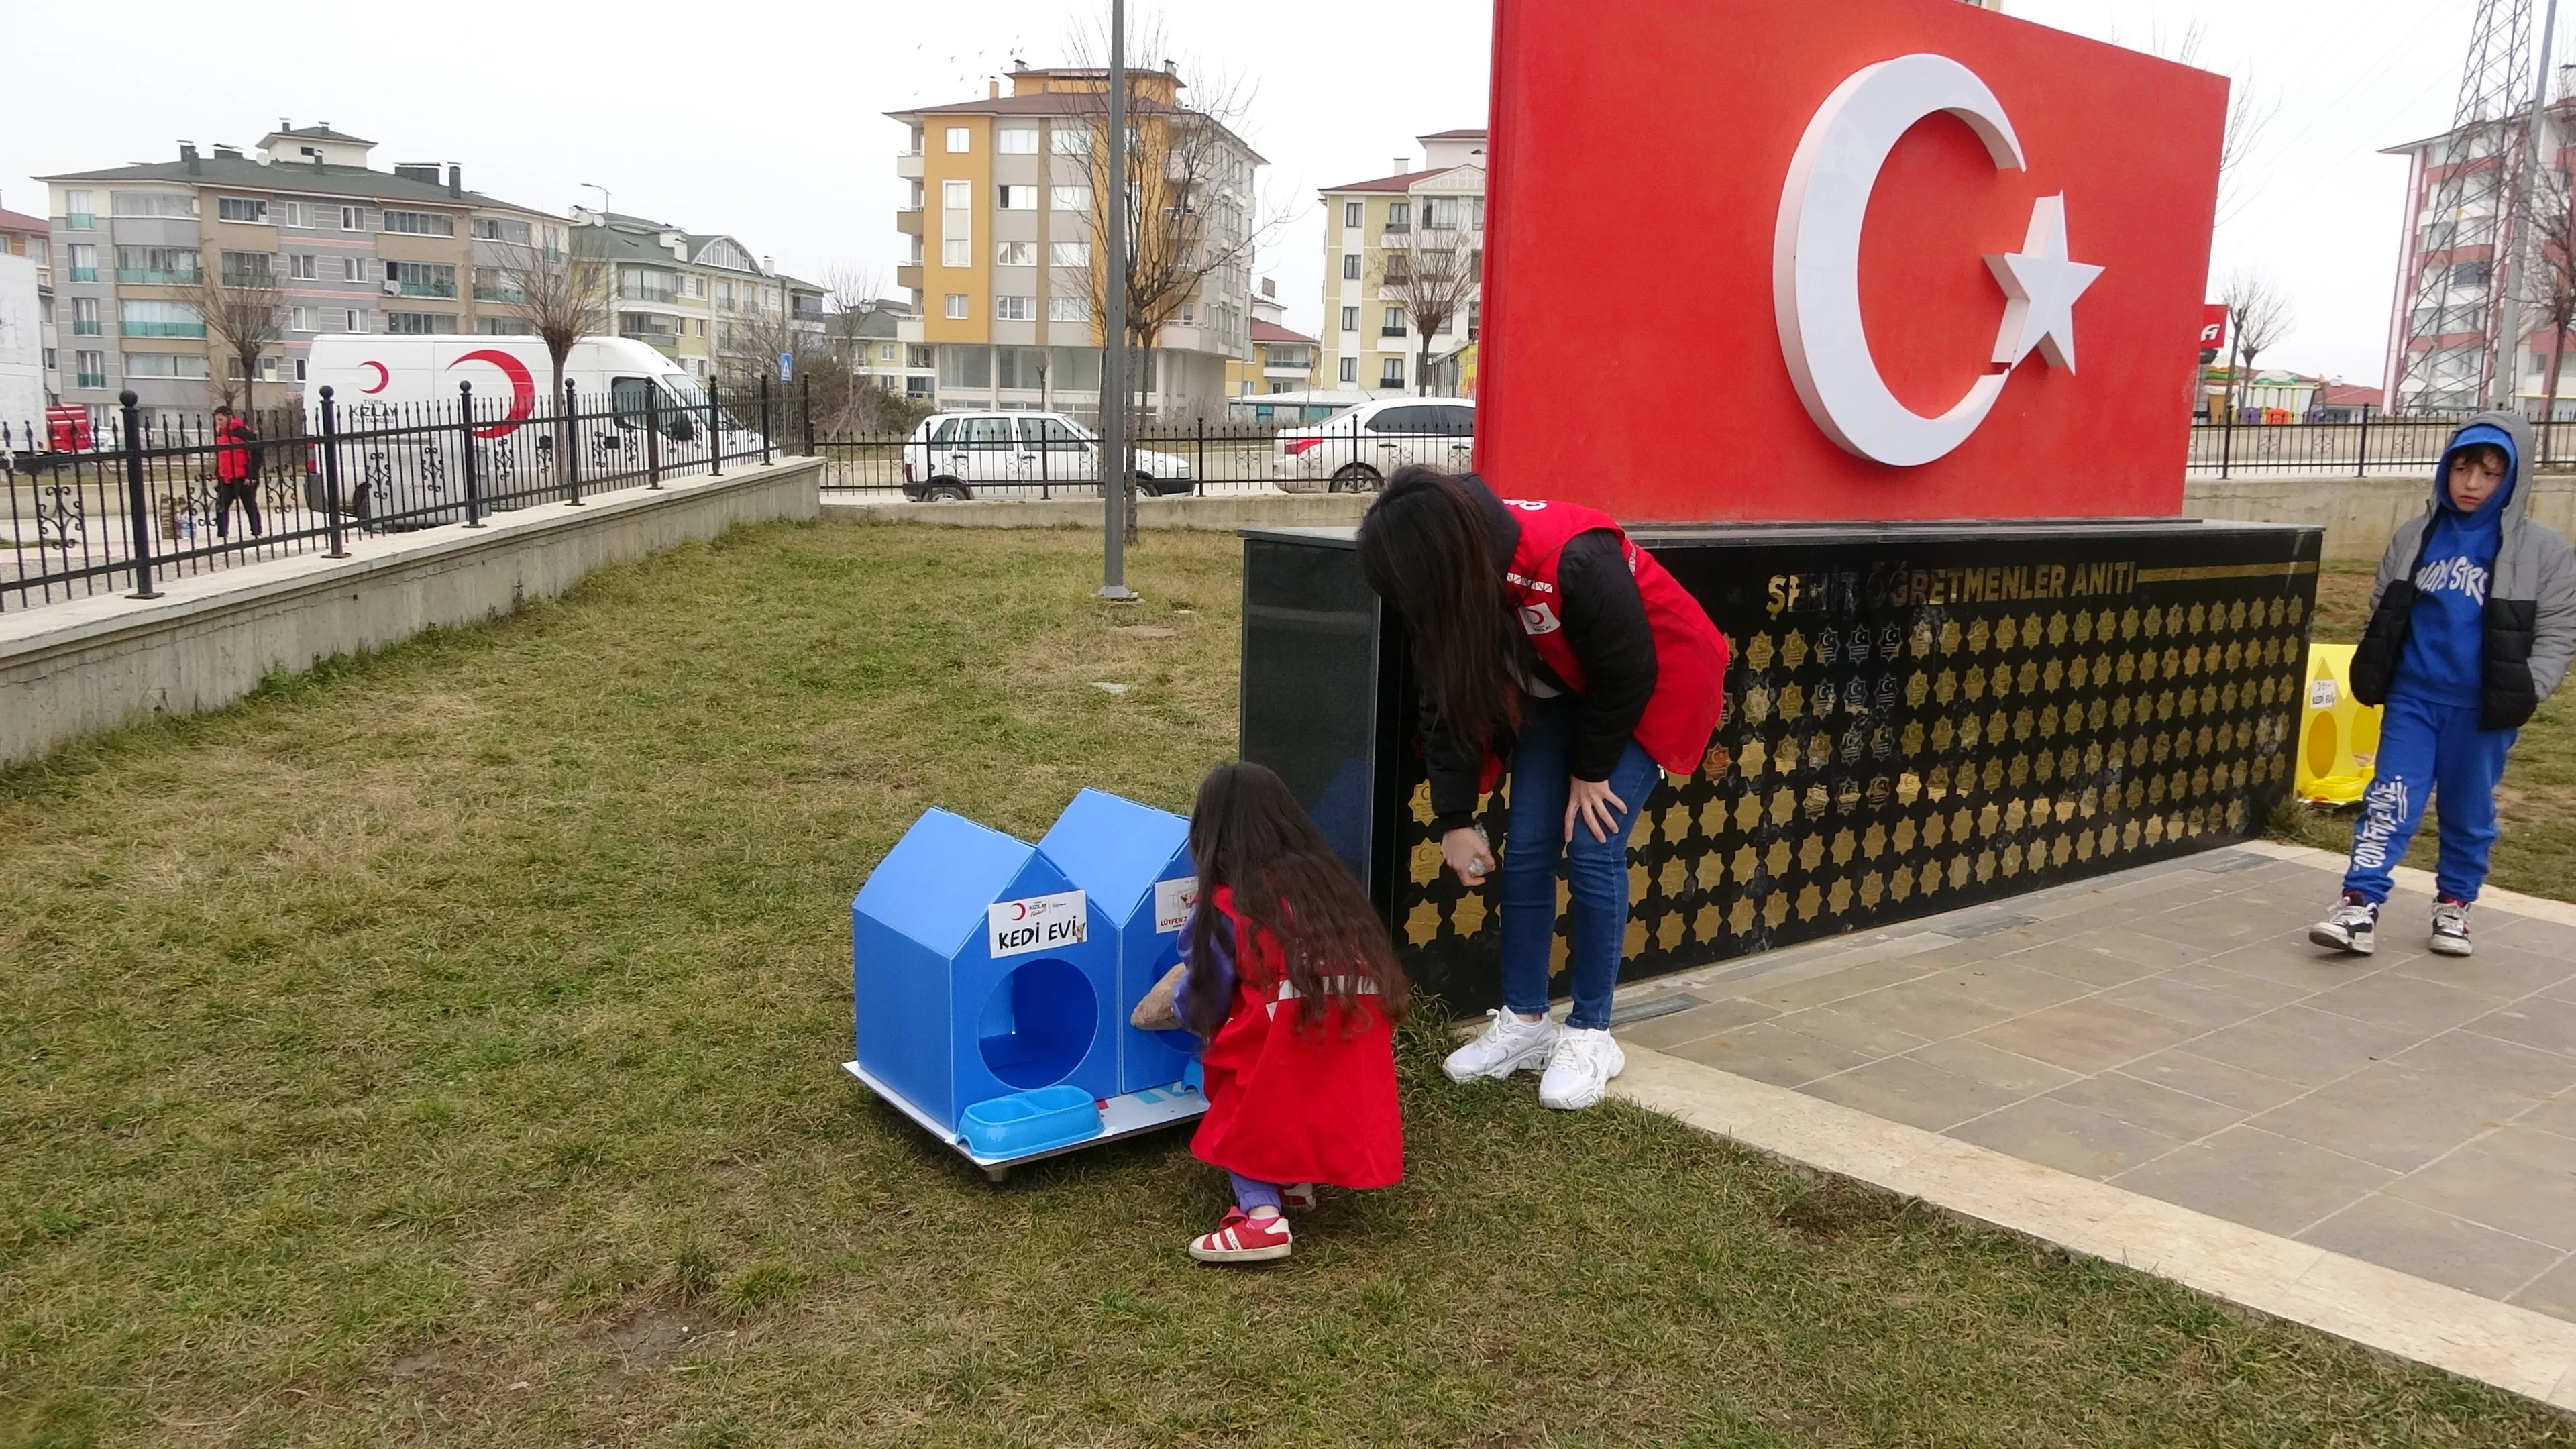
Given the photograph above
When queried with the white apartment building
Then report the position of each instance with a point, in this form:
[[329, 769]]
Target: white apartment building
[[1369, 343]]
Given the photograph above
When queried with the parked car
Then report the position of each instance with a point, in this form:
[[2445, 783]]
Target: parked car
[[1356, 451], [952, 457]]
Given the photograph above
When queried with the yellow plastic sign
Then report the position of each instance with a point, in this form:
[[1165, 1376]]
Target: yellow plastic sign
[[2338, 735]]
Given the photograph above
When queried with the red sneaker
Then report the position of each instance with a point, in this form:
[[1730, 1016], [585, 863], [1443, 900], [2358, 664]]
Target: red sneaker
[[1299, 1196], [1242, 1238]]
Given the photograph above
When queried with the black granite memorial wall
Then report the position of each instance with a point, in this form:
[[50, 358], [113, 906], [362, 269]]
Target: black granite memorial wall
[[1919, 718]]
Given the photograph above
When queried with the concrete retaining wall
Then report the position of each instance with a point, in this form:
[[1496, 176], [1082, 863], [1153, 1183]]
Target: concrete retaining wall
[[69, 669], [1219, 514], [2359, 515]]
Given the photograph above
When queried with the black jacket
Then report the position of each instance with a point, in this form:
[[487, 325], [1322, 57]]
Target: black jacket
[[1605, 626], [2530, 614]]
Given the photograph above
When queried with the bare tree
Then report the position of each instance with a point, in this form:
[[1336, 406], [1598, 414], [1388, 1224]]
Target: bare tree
[[2260, 316], [2551, 279], [2250, 109], [1426, 270], [560, 290], [238, 302]]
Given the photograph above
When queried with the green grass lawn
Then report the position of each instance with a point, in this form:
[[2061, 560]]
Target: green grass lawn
[[2537, 852], [442, 1047]]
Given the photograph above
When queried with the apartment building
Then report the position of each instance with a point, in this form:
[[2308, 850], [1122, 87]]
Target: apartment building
[[1000, 271], [1369, 341], [349, 247], [873, 348], [26, 307], [700, 298], [1276, 357]]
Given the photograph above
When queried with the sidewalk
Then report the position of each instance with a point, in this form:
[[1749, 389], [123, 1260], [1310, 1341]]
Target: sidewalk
[[2171, 1034]]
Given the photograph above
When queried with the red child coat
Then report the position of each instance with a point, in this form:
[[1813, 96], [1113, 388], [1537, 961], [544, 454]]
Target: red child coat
[[1294, 1103]]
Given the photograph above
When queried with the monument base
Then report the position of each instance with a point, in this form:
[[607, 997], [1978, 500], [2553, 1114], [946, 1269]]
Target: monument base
[[1919, 717]]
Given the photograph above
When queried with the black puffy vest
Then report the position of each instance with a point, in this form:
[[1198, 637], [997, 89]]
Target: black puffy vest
[[2506, 697]]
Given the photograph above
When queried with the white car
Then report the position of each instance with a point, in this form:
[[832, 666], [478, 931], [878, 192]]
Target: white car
[[1356, 451], [953, 457]]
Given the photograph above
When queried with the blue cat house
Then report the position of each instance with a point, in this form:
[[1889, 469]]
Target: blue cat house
[[1133, 863], [987, 1000]]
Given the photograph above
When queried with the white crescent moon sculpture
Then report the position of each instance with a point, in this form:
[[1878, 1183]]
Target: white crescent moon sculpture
[[1815, 275]]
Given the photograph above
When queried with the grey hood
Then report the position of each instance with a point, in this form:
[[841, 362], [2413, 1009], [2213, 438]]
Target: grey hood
[[2526, 444]]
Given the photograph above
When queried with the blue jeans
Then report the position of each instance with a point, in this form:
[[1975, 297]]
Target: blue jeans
[[1596, 871], [2427, 748]]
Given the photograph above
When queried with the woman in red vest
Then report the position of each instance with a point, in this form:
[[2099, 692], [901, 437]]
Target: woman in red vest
[[1545, 638]]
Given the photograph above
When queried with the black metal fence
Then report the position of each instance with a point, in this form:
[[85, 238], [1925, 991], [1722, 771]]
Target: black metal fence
[[2372, 444], [1029, 455], [137, 500]]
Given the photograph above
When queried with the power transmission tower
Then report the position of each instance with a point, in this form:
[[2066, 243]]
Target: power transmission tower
[[2473, 204]]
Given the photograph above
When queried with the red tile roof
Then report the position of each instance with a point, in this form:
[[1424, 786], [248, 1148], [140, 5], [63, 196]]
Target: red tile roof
[[1392, 183], [1273, 332], [20, 221], [2353, 395]]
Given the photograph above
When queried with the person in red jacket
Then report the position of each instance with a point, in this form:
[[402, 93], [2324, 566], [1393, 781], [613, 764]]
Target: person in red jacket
[[234, 480], [1290, 980], [1544, 637]]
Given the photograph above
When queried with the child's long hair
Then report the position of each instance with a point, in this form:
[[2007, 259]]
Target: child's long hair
[[1425, 548], [1248, 833]]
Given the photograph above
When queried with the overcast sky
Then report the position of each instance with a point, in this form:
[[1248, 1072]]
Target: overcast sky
[[765, 118]]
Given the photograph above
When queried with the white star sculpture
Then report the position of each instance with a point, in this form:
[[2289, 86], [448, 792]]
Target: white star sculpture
[[2043, 286]]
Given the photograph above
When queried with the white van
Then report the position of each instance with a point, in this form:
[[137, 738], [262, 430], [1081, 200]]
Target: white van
[[385, 388]]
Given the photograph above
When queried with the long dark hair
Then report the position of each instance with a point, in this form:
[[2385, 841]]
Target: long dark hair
[[1425, 548], [1248, 833]]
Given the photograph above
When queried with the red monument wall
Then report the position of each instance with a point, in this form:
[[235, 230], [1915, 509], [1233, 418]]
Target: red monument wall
[[1670, 330]]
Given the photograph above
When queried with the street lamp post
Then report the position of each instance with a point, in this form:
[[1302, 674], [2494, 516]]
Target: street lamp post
[[1113, 326]]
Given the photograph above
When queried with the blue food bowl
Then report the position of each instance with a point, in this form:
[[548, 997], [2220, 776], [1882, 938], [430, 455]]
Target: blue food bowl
[[1027, 1122]]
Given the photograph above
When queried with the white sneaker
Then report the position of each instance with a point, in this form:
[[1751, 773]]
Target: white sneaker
[[2451, 927], [2352, 927], [1508, 1044], [1580, 1069]]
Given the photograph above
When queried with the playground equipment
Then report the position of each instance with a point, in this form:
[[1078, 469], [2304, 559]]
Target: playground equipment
[[2338, 734]]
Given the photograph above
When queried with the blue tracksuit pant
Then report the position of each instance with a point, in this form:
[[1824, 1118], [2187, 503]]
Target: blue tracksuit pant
[[2426, 748]]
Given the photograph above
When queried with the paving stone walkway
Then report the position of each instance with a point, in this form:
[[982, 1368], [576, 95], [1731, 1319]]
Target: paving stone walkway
[[2171, 1031]]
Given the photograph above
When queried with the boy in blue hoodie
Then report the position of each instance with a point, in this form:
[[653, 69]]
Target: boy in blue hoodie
[[2473, 623]]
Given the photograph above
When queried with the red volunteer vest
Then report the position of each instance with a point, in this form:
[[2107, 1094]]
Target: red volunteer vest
[[1690, 654]]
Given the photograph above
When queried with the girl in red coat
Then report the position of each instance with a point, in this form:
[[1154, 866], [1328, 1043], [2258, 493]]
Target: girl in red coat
[[1291, 982]]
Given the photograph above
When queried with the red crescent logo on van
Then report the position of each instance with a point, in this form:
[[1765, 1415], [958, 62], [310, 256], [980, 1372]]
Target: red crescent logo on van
[[523, 389], [382, 377]]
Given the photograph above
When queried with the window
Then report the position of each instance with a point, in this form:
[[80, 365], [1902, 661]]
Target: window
[[85, 320], [1016, 198], [428, 279], [1015, 254], [299, 369], [496, 284], [1354, 215], [162, 364], [83, 260], [1392, 325], [1069, 254], [1072, 141], [964, 365], [1050, 435], [2472, 274], [491, 326], [960, 139], [1015, 309], [155, 203], [1350, 266], [418, 324], [420, 223], [493, 228], [956, 306], [956, 195], [90, 368], [693, 285], [353, 320], [1072, 198], [1399, 216], [159, 319], [353, 269], [295, 213], [885, 352], [1476, 216], [268, 369], [1390, 373], [1350, 319], [953, 252], [724, 296], [251, 209], [78, 216], [304, 266], [1061, 308], [634, 284], [1016, 141], [299, 319], [1189, 314], [248, 269], [1350, 369], [353, 218], [160, 266], [1440, 213]]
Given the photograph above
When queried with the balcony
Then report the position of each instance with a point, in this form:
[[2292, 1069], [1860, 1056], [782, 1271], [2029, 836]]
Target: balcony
[[150, 278], [86, 274], [908, 221], [89, 379], [405, 289], [664, 296], [1398, 228], [668, 342], [907, 165], [163, 329], [908, 275], [499, 294], [85, 328], [1390, 332], [81, 221]]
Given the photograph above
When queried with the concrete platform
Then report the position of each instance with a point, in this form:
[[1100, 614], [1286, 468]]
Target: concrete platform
[[2167, 1042]]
